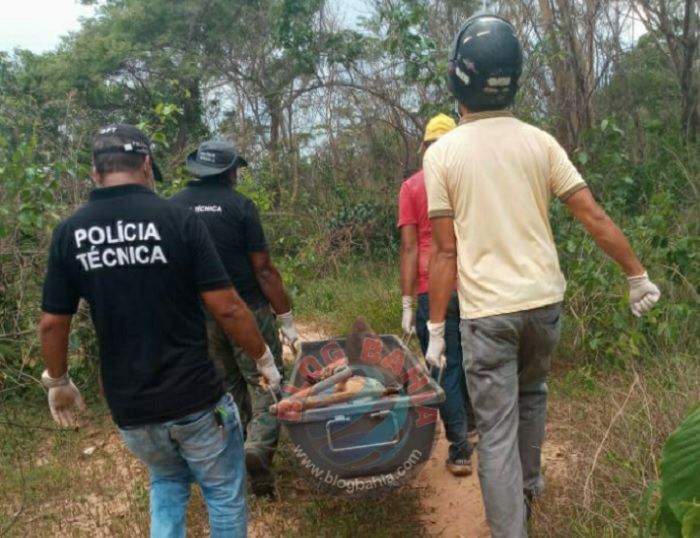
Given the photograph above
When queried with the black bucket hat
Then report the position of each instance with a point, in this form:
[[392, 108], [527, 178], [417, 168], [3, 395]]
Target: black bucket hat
[[131, 140], [214, 157]]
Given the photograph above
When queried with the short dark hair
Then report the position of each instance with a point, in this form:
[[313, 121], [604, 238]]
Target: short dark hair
[[106, 163]]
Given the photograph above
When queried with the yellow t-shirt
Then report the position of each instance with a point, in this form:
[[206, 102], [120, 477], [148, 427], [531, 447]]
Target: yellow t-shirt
[[495, 176]]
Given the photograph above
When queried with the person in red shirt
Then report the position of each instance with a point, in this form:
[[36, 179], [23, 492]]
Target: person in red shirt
[[456, 411]]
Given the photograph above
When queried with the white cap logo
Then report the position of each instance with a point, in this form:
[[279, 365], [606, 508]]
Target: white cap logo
[[207, 157], [461, 75], [498, 81]]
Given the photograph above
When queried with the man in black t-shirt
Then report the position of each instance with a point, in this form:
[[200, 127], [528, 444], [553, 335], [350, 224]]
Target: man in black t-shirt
[[234, 224], [143, 263]]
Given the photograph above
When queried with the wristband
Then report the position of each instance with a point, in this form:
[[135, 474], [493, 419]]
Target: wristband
[[53, 382], [436, 329], [266, 359], [638, 278]]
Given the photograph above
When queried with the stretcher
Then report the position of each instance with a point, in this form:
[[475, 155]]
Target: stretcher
[[362, 414]]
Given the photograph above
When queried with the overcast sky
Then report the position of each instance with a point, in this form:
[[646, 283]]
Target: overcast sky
[[38, 24]]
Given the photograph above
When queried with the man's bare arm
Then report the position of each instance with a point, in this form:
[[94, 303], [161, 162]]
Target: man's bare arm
[[604, 231], [270, 281], [53, 335], [443, 266]]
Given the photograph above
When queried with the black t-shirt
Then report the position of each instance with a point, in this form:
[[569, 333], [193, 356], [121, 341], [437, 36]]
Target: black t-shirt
[[234, 224], [140, 262]]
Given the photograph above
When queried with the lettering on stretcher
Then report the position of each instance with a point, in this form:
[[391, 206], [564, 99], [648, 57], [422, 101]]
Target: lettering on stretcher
[[310, 367], [394, 361], [426, 415], [290, 409], [417, 377], [371, 351], [332, 352]]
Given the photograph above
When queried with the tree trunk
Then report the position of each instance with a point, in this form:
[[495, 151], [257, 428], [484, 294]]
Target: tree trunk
[[688, 82], [683, 51]]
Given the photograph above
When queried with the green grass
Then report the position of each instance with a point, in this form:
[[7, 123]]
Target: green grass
[[359, 289], [616, 420]]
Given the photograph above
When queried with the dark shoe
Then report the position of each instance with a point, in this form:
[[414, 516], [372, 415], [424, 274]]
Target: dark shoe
[[262, 481], [459, 466]]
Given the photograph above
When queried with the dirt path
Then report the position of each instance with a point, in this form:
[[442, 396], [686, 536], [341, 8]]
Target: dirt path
[[308, 332], [454, 507]]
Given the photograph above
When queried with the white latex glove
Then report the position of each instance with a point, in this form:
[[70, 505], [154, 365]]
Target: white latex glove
[[289, 331], [435, 354], [407, 314], [268, 369], [643, 294], [62, 400]]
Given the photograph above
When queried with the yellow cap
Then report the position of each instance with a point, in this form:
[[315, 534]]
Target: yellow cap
[[438, 126]]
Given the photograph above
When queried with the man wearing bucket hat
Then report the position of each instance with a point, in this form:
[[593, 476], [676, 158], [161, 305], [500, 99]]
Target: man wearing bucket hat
[[234, 224], [142, 264], [456, 411], [490, 182]]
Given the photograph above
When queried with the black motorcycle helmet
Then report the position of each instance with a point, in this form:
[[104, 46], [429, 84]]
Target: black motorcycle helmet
[[485, 63]]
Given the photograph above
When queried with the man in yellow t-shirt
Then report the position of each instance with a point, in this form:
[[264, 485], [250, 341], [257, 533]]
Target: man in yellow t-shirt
[[489, 184]]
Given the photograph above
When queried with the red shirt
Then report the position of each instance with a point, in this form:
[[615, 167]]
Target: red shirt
[[413, 209]]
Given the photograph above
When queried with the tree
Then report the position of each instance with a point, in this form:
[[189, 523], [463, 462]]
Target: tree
[[675, 25]]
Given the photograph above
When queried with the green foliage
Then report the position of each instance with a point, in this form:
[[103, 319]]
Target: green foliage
[[30, 206], [29, 190], [640, 89], [296, 32], [647, 212], [606, 165], [680, 481], [406, 39], [364, 228], [360, 288]]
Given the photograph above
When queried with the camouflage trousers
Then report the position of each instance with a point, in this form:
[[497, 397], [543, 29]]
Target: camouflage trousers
[[242, 381]]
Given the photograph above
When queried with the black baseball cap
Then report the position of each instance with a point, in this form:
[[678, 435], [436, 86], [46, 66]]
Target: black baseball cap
[[214, 157], [131, 140]]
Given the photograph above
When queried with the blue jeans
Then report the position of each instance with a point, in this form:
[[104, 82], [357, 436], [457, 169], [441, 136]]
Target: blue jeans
[[456, 410], [194, 448], [507, 358]]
